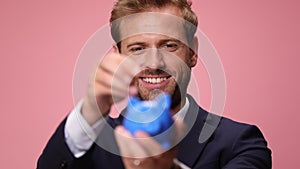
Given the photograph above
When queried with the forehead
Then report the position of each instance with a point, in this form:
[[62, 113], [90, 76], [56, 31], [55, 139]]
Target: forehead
[[165, 24]]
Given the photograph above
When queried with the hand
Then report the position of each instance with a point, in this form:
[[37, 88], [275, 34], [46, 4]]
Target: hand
[[109, 83], [142, 151]]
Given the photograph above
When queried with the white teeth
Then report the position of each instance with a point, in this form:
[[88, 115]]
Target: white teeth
[[154, 80]]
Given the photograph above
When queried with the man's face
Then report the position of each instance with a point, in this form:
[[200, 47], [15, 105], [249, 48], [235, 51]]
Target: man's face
[[158, 44]]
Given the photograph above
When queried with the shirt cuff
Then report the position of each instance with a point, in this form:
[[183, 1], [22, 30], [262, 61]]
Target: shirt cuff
[[79, 135]]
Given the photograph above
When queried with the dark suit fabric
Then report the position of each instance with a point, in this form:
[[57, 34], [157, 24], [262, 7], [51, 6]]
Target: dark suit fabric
[[232, 145]]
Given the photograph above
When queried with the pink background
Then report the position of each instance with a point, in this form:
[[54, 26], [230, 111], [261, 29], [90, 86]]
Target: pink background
[[40, 41]]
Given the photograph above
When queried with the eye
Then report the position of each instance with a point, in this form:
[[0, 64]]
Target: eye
[[170, 46], [136, 49]]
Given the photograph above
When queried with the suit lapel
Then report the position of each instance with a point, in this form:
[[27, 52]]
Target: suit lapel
[[190, 148], [196, 120]]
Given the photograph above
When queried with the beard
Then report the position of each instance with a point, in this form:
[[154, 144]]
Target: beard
[[177, 90]]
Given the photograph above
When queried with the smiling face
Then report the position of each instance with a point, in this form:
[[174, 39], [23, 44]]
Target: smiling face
[[158, 43]]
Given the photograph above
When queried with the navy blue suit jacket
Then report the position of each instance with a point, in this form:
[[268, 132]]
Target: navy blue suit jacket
[[232, 145]]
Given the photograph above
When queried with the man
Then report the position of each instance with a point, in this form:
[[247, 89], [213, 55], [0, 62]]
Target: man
[[154, 54]]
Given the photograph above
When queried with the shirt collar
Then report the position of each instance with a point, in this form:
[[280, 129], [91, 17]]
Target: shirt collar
[[182, 112]]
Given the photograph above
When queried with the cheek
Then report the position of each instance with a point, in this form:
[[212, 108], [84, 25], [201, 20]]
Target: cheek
[[183, 59], [187, 59]]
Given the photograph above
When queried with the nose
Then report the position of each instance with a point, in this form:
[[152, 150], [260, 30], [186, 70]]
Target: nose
[[155, 59]]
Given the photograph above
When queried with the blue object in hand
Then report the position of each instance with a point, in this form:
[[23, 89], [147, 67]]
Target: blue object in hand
[[152, 117]]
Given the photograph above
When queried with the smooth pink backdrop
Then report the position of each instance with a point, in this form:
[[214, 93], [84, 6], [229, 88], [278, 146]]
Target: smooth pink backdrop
[[258, 42]]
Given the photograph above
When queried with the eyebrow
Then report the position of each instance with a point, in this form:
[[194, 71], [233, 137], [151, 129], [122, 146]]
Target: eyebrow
[[168, 40], [160, 42], [135, 43]]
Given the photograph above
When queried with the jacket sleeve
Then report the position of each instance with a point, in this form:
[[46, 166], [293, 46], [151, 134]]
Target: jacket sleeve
[[57, 155], [250, 150]]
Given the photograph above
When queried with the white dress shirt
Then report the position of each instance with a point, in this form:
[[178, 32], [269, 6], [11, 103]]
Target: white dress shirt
[[80, 135]]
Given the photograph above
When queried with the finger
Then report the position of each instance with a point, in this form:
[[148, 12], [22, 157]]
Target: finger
[[122, 137], [108, 81], [107, 72], [151, 146], [130, 65], [133, 91], [120, 64], [128, 145], [117, 75], [107, 84], [110, 62]]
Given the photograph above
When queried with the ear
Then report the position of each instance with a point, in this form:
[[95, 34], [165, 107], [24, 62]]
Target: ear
[[194, 52], [115, 49]]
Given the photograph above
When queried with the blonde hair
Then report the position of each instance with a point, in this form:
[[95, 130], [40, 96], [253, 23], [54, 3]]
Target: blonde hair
[[127, 7]]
